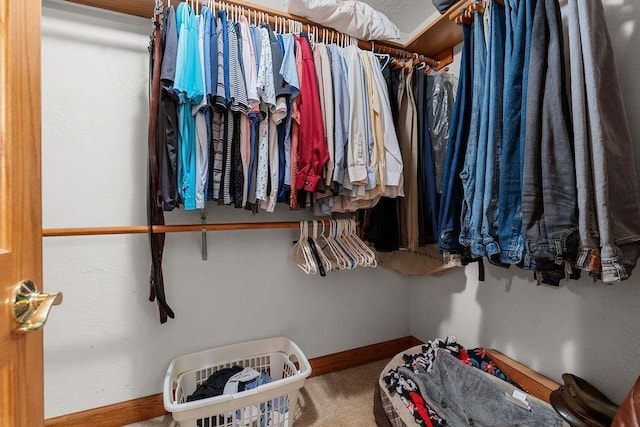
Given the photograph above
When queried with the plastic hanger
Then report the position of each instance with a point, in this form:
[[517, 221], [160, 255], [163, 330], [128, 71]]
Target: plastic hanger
[[319, 257], [344, 246], [301, 254], [342, 259], [368, 253], [311, 261], [327, 250], [354, 249]]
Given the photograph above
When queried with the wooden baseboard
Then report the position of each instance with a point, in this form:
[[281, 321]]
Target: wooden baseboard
[[359, 356], [118, 414], [144, 408]]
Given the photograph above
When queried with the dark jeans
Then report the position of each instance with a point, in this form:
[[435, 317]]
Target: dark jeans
[[519, 19], [450, 206], [468, 173], [549, 211]]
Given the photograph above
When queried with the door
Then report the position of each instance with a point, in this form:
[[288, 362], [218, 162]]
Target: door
[[21, 370]]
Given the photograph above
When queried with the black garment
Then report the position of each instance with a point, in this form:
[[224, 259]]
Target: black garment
[[279, 83], [418, 95], [382, 227], [237, 179], [382, 224], [167, 133], [391, 78], [214, 385]]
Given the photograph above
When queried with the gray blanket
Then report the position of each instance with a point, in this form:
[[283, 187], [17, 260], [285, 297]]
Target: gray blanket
[[465, 396]]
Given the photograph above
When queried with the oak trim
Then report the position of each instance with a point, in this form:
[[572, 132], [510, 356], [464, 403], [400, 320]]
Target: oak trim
[[535, 383], [144, 408], [360, 356], [117, 414]]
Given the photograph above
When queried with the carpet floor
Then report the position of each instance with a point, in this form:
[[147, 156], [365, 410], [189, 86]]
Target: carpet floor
[[339, 399]]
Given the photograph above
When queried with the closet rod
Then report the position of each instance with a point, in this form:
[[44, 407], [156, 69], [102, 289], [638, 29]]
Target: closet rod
[[175, 228], [144, 8], [469, 6]]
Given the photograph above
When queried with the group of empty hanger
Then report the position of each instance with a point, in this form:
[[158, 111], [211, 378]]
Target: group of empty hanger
[[330, 245]]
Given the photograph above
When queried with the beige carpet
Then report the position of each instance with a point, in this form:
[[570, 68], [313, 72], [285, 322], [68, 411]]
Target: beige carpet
[[343, 398]]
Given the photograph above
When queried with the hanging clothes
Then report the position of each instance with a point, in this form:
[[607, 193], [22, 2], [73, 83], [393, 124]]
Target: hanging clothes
[[615, 188], [468, 173], [189, 86], [549, 211], [518, 26], [452, 190], [168, 116]]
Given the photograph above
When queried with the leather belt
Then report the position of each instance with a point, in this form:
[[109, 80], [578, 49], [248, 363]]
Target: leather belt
[[155, 214]]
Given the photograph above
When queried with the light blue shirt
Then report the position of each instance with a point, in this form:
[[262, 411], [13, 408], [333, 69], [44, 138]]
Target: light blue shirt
[[288, 69], [341, 108], [189, 86]]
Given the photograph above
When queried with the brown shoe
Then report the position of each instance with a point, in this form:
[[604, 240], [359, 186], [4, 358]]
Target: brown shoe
[[590, 397]]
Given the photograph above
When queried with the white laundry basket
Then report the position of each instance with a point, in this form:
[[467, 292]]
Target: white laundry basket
[[272, 404]]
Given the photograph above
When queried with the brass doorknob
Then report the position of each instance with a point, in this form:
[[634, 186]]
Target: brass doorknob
[[31, 307]]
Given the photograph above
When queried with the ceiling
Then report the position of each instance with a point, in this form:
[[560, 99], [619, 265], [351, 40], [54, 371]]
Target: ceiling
[[410, 16]]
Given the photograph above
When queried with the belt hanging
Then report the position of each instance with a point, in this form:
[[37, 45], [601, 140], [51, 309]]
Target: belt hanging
[[155, 215]]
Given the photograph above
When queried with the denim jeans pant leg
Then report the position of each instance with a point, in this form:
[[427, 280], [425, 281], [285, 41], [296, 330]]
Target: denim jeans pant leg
[[449, 216], [489, 229], [549, 193], [587, 257], [477, 199], [468, 174], [510, 233], [614, 175]]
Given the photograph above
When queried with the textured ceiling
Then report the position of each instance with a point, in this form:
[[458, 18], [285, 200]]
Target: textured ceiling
[[408, 15]]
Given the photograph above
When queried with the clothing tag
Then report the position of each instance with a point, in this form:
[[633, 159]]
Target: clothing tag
[[521, 403], [567, 271], [519, 395]]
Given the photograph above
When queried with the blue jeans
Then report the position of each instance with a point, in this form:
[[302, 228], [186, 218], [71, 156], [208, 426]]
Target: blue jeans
[[484, 211], [450, 208], [519, 19], [468, 174]]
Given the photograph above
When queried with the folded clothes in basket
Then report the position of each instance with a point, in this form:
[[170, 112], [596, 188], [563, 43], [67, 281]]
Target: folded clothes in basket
[[272, 408], [214, 385], [237, 379]]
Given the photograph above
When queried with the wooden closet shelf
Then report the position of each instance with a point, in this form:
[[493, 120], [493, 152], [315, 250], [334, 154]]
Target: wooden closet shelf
[[144, 8], [439, 37]]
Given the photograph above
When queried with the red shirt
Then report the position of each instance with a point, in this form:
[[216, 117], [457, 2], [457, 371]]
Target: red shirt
[[313, 153]]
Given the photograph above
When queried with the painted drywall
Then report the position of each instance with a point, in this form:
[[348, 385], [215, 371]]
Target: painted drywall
[[590, 329], [104, 344]]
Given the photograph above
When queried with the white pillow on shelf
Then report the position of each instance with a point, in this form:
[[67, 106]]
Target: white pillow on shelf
[[354, 18]]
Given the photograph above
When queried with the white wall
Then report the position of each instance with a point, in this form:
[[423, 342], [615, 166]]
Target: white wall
[[590, 329], [104, 344]]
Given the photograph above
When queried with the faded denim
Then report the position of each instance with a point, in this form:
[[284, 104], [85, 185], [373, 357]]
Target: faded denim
[[588, 256], [468, 174], [485, 201], [549, 211], [613, 169], [449, 215], [519, 20]]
